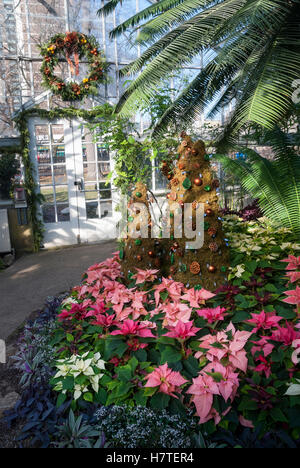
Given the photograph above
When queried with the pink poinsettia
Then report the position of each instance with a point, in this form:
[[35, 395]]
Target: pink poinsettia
[[173, 288], [264, 320], [293, 296], [197, 297], [296, 353], [285, 335], [183, 331], [219, 346], [174, 312], [264, 366], [166, 379], [293, 276], [293, 262], [130, 327], [139, 300], [246, 422], [77, 311], [203, 390], [213, 315], [145, 275], [262, 346], [229, 384], [97, 309], [104, 320]]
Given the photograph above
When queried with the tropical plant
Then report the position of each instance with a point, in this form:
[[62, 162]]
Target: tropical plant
[[8, 169], [77, 433], [252, 55], [275, 183]]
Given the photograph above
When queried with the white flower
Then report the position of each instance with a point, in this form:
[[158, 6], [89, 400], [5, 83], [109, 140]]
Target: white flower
[[63, 371], [69, 300], [293, 389], [95, 382]]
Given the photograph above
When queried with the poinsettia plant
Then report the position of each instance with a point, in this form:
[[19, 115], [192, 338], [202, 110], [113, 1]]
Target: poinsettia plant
[[229, 356]]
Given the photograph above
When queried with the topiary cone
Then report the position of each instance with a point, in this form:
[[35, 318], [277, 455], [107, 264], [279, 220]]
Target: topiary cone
[[193, 182]]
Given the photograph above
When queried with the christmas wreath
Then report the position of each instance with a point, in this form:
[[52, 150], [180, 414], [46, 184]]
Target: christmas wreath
[[76, 45]]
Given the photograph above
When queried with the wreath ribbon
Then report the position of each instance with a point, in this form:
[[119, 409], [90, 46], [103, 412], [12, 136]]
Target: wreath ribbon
[[76, 59]]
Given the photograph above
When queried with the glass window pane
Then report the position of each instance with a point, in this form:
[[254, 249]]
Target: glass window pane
[[60, 174], [104, 170], [106, 209], [87, 136], [43, 154], [92, 210], [160, 180], [42, 134], [63, 212], [57, 133], [91, 194], [88, 153], [89, 172], [102, 152], [62, 194], [48, 214], [45, 175], [48, 195], [58, 153]]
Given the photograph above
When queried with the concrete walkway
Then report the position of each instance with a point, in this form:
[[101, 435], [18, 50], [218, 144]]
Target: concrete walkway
[[26, 284]]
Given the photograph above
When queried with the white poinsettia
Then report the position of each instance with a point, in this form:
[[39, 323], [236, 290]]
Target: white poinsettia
[[69, 300], [83, 369], [95, 382], [294, 389], [82, 366], [63, 371], [79, 390]]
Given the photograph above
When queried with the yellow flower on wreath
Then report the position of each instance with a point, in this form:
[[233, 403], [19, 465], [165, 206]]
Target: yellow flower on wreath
[[85, 80]]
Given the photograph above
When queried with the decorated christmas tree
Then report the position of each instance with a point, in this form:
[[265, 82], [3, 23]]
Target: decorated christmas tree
[[193, 182], [139, 250]]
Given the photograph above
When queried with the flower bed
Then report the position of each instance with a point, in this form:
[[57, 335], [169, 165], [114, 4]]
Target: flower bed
[[220, 362]]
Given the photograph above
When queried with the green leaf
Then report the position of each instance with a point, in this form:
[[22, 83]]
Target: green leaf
[[68, 383], [61, 399], [159, 401], [240, 316], [277, 415], [88, 397], [140, 398], [170, 354], [124, 373], [70, 338], [192, 366]]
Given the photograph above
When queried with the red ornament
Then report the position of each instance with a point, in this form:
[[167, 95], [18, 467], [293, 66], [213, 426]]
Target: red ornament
[[139, 258], [198, 181], [209, 212], [211, 268], [151, 254]]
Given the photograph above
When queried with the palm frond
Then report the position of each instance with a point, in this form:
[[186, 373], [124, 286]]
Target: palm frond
[[270, 182]]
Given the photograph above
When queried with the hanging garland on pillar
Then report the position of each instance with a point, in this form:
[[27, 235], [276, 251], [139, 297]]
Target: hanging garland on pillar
[[77, 46]]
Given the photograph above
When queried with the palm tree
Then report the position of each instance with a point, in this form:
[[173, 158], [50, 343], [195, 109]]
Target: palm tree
[[254, 59], [276, 183]]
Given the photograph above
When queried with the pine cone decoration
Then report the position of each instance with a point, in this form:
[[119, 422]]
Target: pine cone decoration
[[213, 246], [195, 268]]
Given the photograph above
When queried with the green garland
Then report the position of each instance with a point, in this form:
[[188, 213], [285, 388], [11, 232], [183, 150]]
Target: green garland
[[79, 45], [33, 197]]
